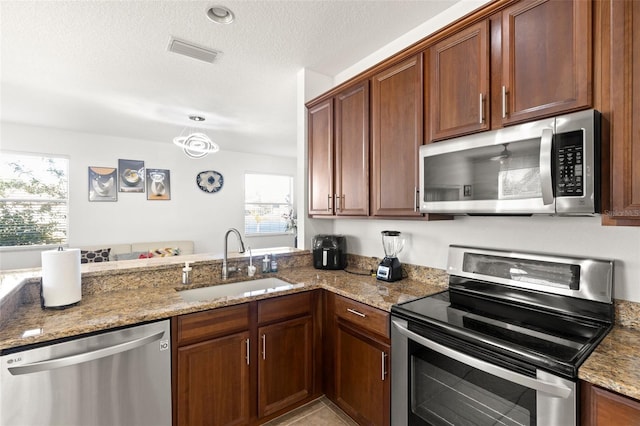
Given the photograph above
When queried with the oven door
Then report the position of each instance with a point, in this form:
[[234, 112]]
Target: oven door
[[433, 384]]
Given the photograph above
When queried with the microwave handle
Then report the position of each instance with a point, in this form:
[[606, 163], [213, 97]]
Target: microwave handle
[[546, 181], [552, 389]]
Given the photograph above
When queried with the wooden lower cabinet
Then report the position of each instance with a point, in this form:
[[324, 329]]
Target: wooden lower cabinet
[[601, 407], [213, 382], [356, 361], [285, 368], [246, 364], [362, 379]]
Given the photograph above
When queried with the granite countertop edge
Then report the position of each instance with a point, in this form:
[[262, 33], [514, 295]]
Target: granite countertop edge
[[102, 311], [614, 365]]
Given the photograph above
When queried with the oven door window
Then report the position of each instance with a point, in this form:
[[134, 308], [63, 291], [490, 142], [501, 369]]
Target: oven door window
[[444, 391]]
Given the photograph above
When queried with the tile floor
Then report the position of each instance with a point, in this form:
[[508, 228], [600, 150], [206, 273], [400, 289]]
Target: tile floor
[[320, 412]]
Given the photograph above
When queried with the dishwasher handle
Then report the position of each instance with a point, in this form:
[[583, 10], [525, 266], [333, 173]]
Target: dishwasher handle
[[50, 364]]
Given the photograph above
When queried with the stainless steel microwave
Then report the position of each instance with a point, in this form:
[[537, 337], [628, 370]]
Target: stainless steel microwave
[[550, 166]]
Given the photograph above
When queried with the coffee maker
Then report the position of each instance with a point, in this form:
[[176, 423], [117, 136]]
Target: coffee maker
[[390, 268]]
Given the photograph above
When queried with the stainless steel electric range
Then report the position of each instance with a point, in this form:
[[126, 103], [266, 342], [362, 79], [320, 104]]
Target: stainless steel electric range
[[502, 346]]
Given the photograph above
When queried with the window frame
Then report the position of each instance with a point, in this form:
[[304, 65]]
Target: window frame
[[65, 228], [291, 203]]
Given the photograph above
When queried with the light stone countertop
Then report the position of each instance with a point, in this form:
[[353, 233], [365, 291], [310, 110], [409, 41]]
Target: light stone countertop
[[115, 301], [130, 292], [615, 363]]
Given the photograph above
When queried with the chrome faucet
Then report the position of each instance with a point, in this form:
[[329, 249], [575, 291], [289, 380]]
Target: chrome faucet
[[227, 269]]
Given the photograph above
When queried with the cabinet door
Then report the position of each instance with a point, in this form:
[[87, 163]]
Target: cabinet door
[[285, 366], [601, 407], [352, 151], [362, 377], [213, 382], [397, 134], [320, 131], [623, 205], [459, 86], [546, 56]]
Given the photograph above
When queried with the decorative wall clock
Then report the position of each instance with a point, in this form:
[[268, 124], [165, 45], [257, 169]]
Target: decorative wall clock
[[210, 181]]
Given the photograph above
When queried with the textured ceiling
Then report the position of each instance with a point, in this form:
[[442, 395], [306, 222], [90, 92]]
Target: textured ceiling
[[103, 66]]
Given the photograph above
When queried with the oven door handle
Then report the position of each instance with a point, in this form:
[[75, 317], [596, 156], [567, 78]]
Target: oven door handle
[[548, 388]]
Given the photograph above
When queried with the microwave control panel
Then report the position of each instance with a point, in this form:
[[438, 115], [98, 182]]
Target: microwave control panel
[[569, 164]]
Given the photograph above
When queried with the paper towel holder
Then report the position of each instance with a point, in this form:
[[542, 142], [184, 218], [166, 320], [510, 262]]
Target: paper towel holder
[[61, 279]]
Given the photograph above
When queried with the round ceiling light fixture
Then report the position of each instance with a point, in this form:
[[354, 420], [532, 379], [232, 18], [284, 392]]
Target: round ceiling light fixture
[[220, 15], [195, 144]]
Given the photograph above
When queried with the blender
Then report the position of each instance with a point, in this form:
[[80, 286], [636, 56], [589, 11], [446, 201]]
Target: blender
[[390, 268]]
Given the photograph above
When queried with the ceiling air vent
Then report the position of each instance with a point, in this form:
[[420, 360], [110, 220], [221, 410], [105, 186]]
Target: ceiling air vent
[[193, 51]]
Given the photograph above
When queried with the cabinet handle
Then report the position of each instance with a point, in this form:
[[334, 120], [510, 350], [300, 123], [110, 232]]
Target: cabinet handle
[[481, 109], [504, 102], [329, 197], [353, 311], [384, 365], [247, 345], [264, 346], [337, 202], [416, 205]]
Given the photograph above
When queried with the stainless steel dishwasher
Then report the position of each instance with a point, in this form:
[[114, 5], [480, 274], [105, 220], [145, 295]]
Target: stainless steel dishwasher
[[120, 377]]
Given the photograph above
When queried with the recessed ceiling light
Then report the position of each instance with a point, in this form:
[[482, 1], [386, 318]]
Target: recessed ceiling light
[[220, 15], [196, 118]]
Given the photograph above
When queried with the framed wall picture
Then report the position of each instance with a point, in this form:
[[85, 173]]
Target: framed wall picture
[[103, 184], [131, 176], [158, 184]]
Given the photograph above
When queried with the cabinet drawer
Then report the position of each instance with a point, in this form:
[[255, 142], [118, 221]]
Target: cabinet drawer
[[365, 316], [215, 322], [280, 308]]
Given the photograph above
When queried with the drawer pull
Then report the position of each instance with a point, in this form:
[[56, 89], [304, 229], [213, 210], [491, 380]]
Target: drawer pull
[[353, 311]]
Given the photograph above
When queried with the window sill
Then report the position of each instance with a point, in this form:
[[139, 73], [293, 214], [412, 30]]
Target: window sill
[[269, 234]]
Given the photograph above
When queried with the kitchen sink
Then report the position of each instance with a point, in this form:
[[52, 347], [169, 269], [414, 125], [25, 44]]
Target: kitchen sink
[[237, 290]]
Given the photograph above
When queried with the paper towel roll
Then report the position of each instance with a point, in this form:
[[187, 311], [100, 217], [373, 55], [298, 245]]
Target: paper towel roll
[[61, 278]]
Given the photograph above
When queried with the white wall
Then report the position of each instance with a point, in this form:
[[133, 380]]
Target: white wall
[[191, 214], [427, 242]]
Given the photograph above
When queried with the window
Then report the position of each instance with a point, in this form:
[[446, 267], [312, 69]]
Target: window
[[267, 204], [34, 198]]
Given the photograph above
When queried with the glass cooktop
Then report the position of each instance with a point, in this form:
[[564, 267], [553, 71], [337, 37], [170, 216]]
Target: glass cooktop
[[548, 339]]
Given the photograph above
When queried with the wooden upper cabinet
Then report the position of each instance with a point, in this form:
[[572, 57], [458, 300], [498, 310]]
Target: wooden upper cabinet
[[396, 121], [352, 151], [546, 58], [458, 78], [621, 87], [320, 131]]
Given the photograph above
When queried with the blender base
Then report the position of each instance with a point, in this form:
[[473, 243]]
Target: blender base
[[389, 270]]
